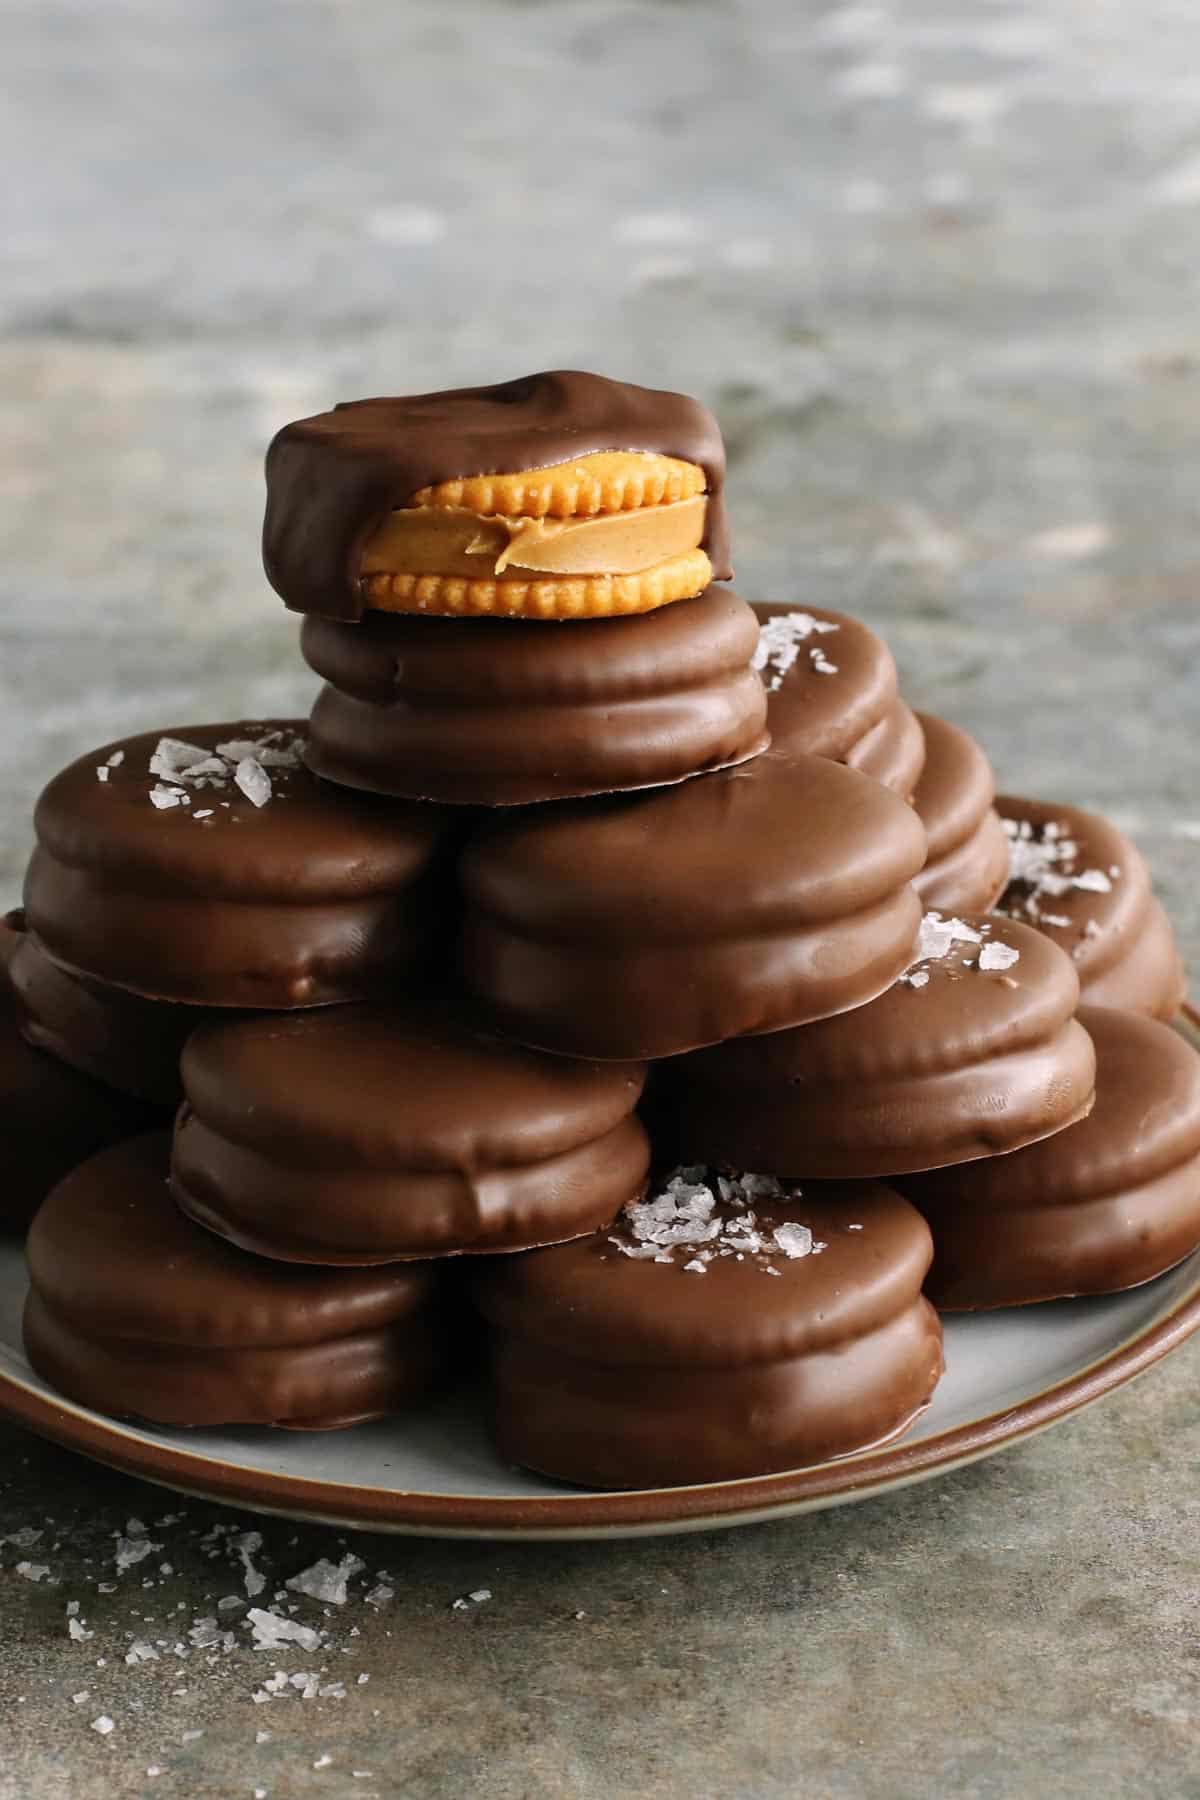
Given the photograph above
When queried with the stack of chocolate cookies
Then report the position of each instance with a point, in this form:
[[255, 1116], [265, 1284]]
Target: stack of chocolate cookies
[[604, 960]]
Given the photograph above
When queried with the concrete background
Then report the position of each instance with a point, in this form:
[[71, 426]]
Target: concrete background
[[936, 265]]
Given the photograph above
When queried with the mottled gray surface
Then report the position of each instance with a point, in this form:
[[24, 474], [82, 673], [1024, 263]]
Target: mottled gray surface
[[935, 263]]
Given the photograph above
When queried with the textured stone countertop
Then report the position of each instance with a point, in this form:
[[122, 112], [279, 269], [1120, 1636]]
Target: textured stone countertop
[[936, 265]]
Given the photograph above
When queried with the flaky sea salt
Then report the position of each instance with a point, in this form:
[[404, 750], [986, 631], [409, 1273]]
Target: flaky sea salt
[[253, 780], [998, 956], [778, 648], [78, 1631], [710, 1220], [793, 1240], [936, 940], [32, 1571], [103, 1725], [241, 762], [476, 1597], [246, 1547], [134, 1547], [327, 1581], [1043, 864], [379, 1595], [271, 1631]]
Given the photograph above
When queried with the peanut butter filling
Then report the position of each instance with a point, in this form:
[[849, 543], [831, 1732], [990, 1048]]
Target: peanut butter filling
[[453, 541]]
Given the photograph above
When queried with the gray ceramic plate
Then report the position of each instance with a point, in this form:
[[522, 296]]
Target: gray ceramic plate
[[1008, 1374]]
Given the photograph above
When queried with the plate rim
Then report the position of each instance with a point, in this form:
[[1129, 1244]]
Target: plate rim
[[644, 1511]]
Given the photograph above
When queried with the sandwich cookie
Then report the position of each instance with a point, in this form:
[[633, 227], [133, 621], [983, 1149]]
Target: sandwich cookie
[[558, 496], [358, 1135], [1110, 1203], [968, 850], [211, 867], [121, 1038], [1081, 882], [51, 1117], [497, 712], [136, 1312], [724, 1328], [974, 1052], [832, 691], [739, 902]]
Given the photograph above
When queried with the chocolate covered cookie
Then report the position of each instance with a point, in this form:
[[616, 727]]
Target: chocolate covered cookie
[[561, 495], [503, 712], [359, 1135], [832, 691], [739, 902], [723, 1328], [51, 1116], [1107, 1204], [211, 867], [974, 1052], [1081, 882], [135, 1311], [967, 865], [119, 1037]]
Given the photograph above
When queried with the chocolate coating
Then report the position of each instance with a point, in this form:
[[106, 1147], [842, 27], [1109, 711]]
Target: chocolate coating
[[622, 1373], [315, 897], [853, 715], [967, 866], [893, 751], [136, 1312], [971, 1064], [501, 712], [121, 1038], [359, 1135], [333, 478], [51, 1117], [738, 902], [1105, 1205], [1119, 937]]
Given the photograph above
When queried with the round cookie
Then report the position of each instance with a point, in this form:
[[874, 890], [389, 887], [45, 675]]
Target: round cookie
[[51, 1117], [831, 691], [501, 713], [135, 1311], [968, 849], [1078, 879], [231, 880], [410, 504], [121, 1038], [627, 1360], [972, 1053], [739, 902], [358, 1135], [1105, 1205], [893, 752]]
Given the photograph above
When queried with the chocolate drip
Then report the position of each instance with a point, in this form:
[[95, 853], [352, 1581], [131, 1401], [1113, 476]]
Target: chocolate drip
[[333, 478]]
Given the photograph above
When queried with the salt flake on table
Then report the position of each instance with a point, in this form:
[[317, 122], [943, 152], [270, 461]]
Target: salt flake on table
[[103, 1725], [271, 1632], [326, 1581]]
